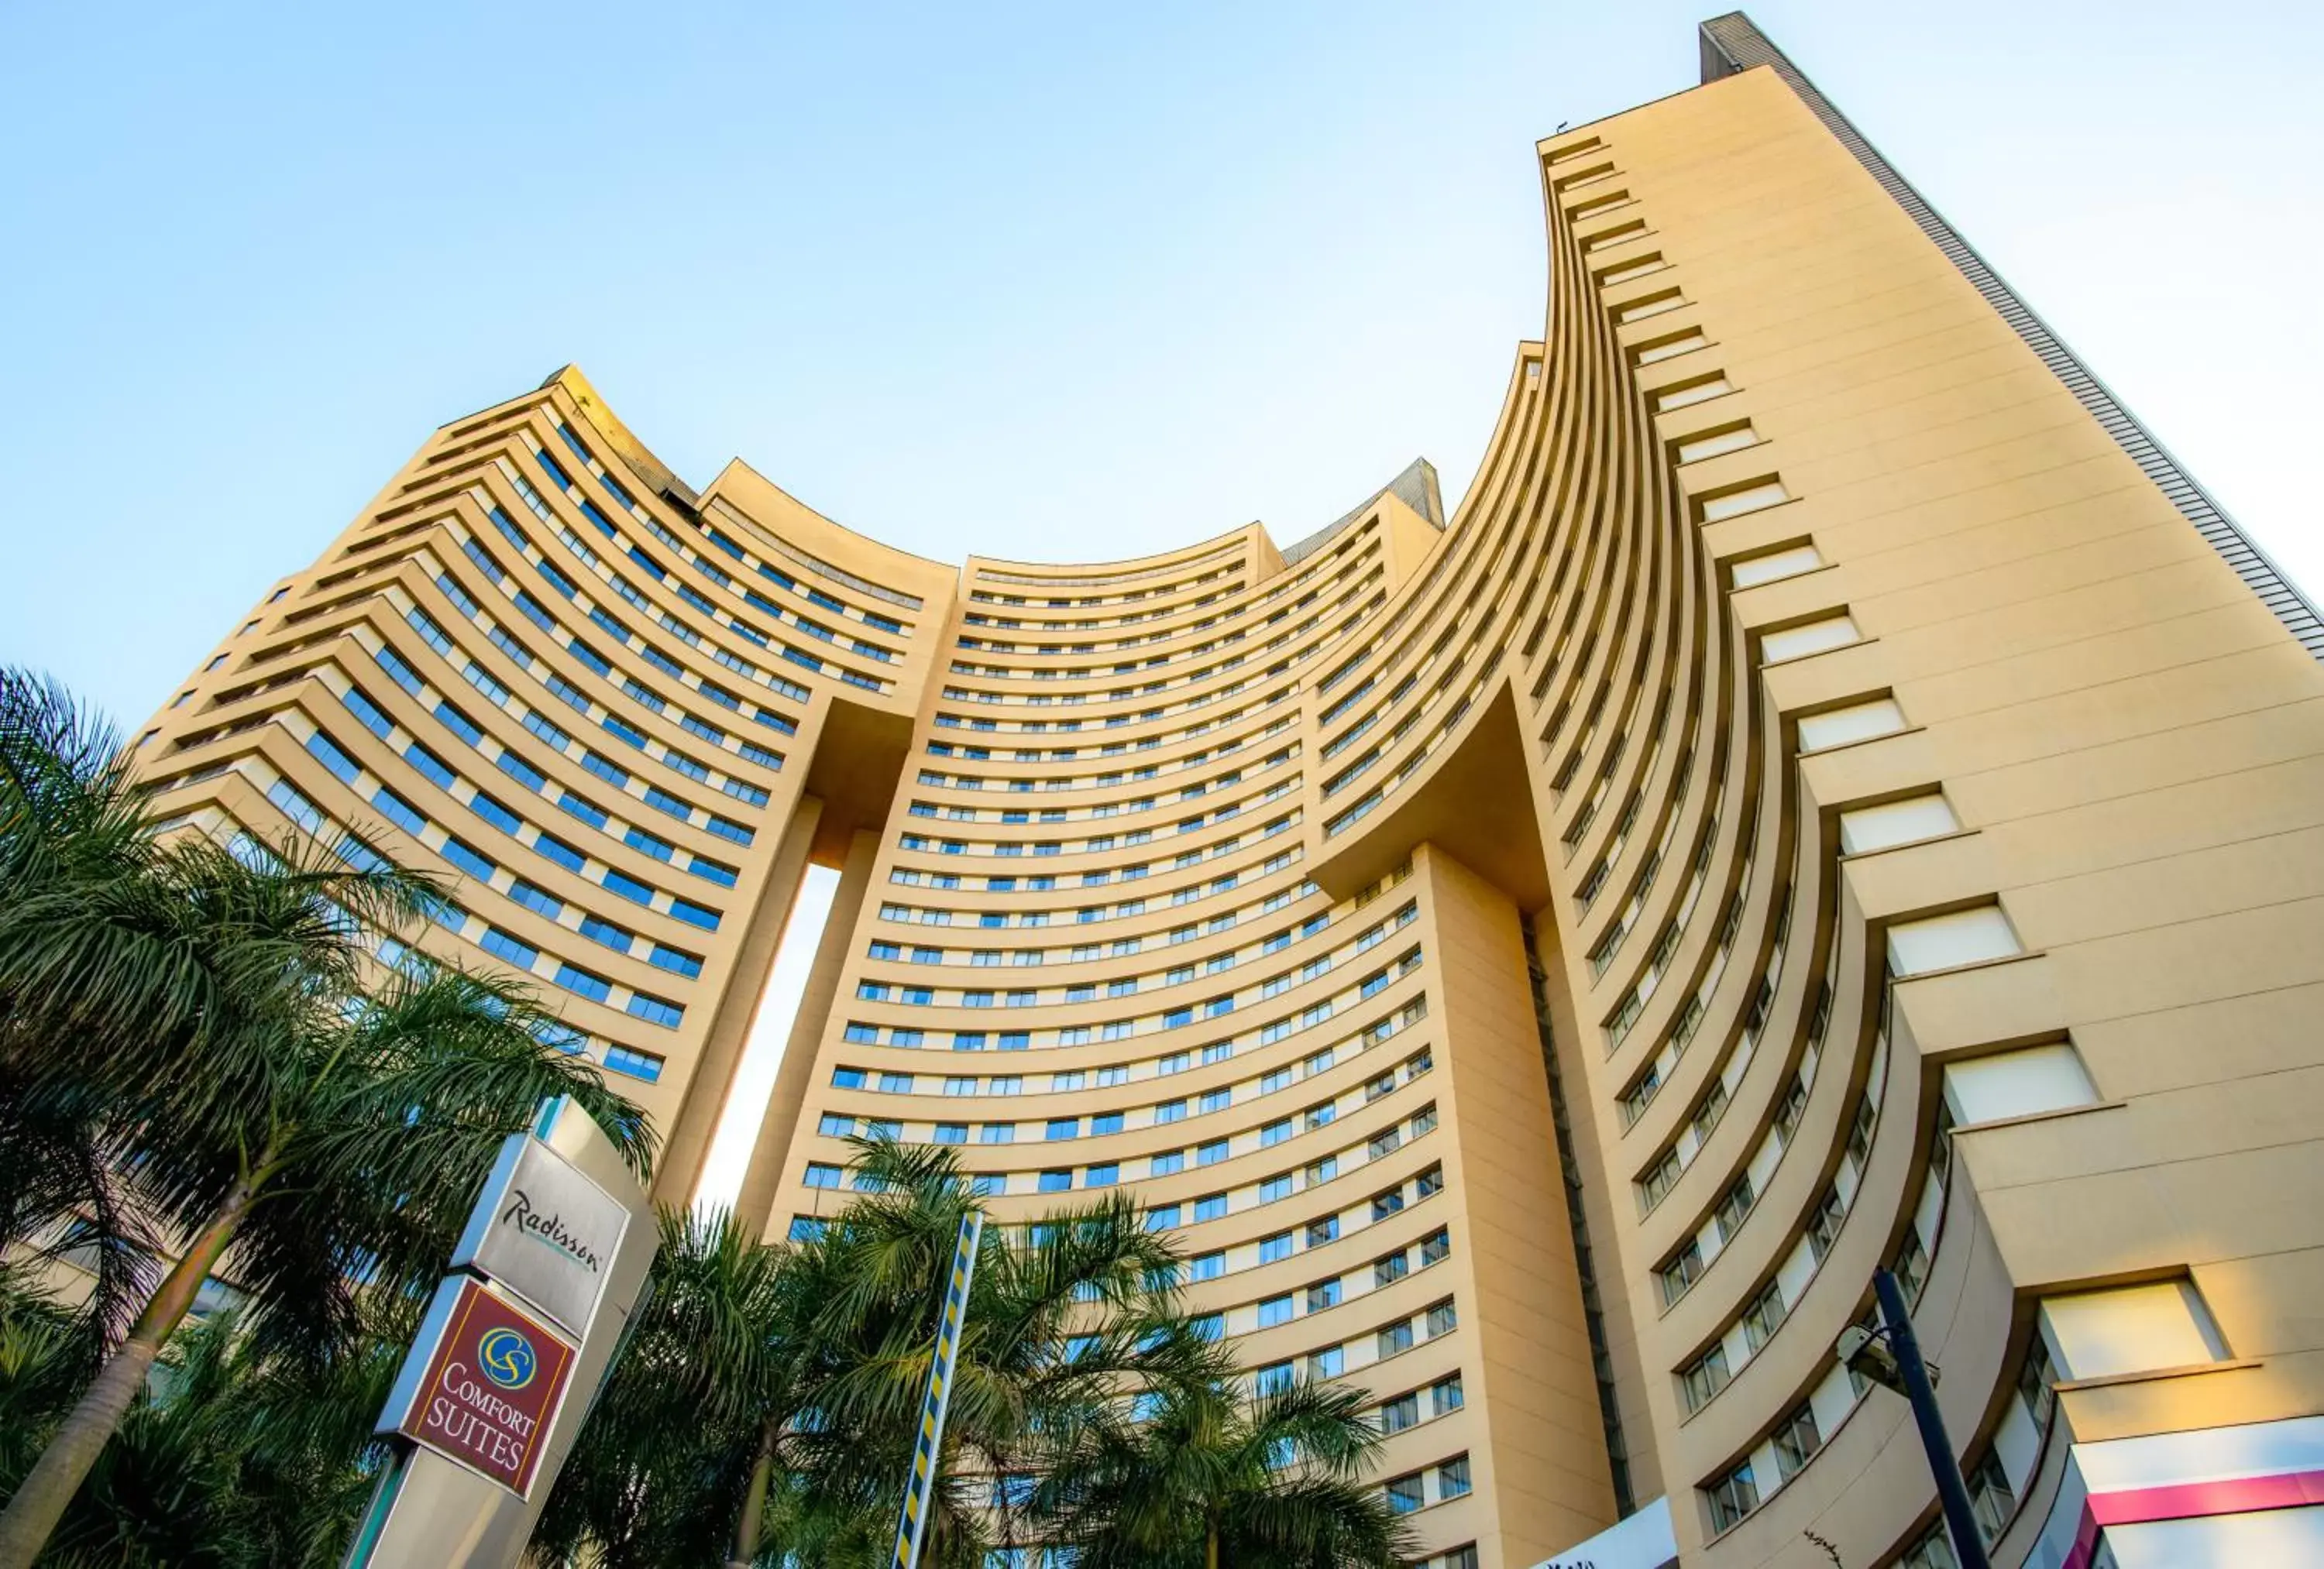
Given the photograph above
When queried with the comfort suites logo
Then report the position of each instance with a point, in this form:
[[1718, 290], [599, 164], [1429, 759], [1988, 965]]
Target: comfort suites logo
[[549, 1229], [489, 1392], [507, 1358]]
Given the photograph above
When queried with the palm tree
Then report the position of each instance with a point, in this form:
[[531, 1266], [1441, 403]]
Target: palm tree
[[1202, 1475], [198, 1018], [70, 819], [774, 1392], [1064, 1320], [677, 1458], [229, 1456]]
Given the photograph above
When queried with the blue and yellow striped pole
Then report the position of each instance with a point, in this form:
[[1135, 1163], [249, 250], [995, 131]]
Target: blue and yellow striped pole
[[914, 1524]]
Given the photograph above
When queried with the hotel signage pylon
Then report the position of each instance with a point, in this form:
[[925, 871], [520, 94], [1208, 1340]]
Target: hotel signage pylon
[[544, 1281]]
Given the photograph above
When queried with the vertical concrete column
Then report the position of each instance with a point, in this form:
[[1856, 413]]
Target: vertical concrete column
[[1539, 1456]]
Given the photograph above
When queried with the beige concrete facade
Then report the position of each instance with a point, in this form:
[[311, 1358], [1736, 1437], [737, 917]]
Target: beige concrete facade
[[1827, 800]]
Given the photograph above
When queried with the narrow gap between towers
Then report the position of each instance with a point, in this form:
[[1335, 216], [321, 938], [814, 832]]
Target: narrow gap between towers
[[731, 1144]]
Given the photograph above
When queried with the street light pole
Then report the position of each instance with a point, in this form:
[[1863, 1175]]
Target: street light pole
[[1913, 1374]]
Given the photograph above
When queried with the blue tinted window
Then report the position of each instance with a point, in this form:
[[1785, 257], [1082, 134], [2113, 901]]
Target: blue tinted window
[[537, 899], [426, 626], [402, 674], [398, 810], [429, 764], [627, 886], [639, 839], [655, 1010], [622, 729], [661, 800], [605, 768], [502, 946], [367, 712], [327, 752], [509, 531], [523, 772], [570, 695], [295, 806], [458, 723], [712, 871], [530, 609], [583, 983], [569, 1042], [483, 558], [677, 961], [616, 938], [493, 813], [555, 849], [695, 914], [466, 856], [556, 579], [642, 1065]]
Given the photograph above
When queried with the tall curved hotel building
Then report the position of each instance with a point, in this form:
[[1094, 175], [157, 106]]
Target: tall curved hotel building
[[1834, 795]]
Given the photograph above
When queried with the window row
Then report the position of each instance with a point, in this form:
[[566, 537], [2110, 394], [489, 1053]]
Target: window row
[[530, 836]]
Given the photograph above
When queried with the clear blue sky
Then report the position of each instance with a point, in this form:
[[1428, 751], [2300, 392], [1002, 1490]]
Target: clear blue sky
[[1060, 282]]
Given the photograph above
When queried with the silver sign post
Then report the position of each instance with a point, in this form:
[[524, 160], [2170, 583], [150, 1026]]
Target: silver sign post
[[517, 1341]]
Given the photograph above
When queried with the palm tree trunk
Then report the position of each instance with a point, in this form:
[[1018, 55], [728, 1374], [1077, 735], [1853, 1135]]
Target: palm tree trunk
[[1211, 1543], [48, 1490], [754, 1502]]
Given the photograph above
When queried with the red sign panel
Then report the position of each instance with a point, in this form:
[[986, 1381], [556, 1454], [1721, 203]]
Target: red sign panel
[[491, 1390]]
